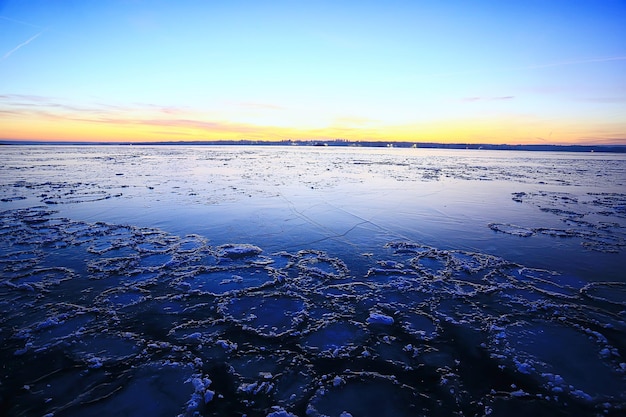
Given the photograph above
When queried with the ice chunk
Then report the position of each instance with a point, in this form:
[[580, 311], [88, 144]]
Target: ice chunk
[[227, 345], [201, 395], [268, 316], [379, 318], [335, 338], [512, 229], [368, 395], [519, 393], [524, 367], [280, 412], [237, 251], [581, 395], [608, 292]]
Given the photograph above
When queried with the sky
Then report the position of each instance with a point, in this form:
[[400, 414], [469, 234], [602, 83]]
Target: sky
[[515, 72]]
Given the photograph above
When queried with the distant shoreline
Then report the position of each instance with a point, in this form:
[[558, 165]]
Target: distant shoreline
[[343, 143]]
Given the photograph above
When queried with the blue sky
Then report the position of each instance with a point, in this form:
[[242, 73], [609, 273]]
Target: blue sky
[[483, 71]]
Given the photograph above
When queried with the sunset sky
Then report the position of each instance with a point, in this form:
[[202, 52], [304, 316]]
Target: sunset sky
[[516, 72]]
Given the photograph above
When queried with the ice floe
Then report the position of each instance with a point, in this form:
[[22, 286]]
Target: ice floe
[[419, 312], [587, 217], [99, 317]]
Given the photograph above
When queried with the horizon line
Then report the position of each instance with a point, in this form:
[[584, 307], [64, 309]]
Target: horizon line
[[317, 142]]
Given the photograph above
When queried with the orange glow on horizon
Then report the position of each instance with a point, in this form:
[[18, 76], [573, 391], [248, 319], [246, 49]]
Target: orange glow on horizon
[[154, 130]]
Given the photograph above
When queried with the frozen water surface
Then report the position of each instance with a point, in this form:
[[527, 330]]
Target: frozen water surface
[[277, 281]]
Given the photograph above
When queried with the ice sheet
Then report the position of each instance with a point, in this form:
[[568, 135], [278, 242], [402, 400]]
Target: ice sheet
[[363, 282]]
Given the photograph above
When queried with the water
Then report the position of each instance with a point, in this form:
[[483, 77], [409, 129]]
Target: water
[[182, 280]]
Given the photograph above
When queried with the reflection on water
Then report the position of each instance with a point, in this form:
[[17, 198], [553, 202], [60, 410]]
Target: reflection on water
[[304, 281]]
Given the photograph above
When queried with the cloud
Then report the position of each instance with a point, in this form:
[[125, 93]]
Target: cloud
[[208, 125], [149, 107], [9, 112], [41, 104], [21, 45], [23, 97], [157, 119], [46, 104], [172, 125], [21, 22]]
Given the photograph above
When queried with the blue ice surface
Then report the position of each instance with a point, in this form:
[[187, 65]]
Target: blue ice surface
[[205, 281]]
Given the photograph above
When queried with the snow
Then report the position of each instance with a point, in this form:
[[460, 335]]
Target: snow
[[201, 395], [581, 395], [279, 412], [236, 251], [379, 318], [524, 367], [227, 345], [519, 393]]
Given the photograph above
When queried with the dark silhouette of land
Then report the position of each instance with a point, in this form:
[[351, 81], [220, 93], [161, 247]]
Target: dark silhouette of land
[[347, 143]]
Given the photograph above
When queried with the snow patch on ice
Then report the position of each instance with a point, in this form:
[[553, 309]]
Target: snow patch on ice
[[379, 318]]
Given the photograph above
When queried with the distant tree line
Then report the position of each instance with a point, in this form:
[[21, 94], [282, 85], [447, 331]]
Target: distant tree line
[[348, 143]]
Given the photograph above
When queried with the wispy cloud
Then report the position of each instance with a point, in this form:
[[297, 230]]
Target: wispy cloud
[[208, 125], [23, 97], [162, 122], [43, 104], [9, 112], [166, 121], [36, 103], [21, 22], [21, 45]]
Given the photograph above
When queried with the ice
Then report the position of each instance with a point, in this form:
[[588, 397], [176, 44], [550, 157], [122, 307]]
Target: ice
[[268, 316], [585, 214], [378, 318], [202, 394], [555, 352], [335, 338], [581, 395], [155, 389], [512, 229], [227, 345], [236, 251], [122, 299], [221, 281], [608, 292], [154, 262], [419, 324], [279, 412], [367, 394], [519, 393], [56, 329], [363, 282]]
